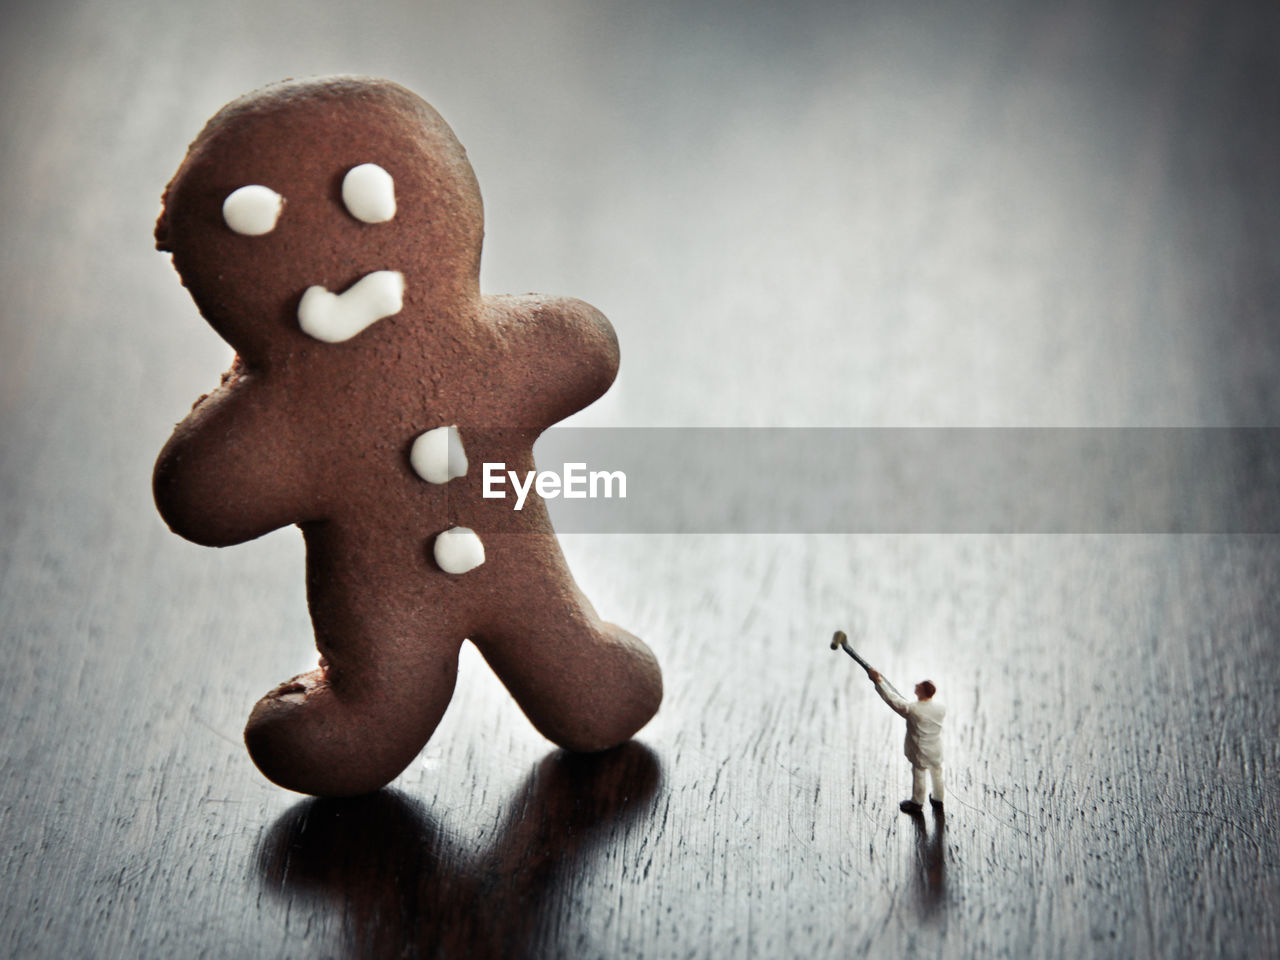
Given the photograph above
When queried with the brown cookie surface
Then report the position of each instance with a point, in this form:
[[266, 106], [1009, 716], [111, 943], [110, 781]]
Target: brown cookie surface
[[356, 334]]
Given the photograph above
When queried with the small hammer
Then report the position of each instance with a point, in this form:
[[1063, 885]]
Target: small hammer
[[842, 640]]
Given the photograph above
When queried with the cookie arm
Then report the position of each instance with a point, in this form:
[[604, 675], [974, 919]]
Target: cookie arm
[[563, 353], [230, 472]]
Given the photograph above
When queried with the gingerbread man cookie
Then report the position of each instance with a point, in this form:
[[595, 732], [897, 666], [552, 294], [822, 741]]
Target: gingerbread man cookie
[[330, 230]]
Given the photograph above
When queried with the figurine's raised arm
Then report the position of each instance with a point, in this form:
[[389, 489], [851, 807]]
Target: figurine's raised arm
[[896, 703]]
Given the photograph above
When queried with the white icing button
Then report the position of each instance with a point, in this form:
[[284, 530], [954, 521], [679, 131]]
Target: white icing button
[[458, 550], [369, 193], [334, 317], [437, 456], [252, 210]]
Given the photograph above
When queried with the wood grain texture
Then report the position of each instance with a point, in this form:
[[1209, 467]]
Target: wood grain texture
[[816, 215]]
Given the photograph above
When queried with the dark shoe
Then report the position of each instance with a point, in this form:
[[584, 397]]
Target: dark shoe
[[936, 804], [910, 806]]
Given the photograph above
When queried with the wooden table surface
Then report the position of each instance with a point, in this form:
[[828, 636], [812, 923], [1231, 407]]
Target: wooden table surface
[[812, 214]]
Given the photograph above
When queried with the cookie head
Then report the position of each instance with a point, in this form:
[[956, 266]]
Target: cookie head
[[310, 209]]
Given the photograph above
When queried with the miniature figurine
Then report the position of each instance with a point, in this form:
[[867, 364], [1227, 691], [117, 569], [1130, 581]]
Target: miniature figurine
[[923, 745]]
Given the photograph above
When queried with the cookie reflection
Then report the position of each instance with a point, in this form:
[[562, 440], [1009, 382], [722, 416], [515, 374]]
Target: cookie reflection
[[400, 888]]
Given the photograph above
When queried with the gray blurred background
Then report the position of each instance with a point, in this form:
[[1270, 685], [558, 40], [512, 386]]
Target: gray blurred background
[[796, 215]]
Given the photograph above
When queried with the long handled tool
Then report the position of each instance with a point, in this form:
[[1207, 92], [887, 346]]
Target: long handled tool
[[841, 639]]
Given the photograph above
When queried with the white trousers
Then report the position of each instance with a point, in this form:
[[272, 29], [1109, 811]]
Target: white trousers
[[917, 783]]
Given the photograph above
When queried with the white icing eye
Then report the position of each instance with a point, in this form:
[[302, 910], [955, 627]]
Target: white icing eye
[[458, 550], [369, 193], [252, 210], [437, 455]]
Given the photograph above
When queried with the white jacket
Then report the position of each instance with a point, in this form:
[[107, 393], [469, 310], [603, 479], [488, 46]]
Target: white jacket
[[923, 746]]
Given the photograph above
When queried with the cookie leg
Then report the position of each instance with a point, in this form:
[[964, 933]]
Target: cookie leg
[[389, 665], [585, 684], [316, 734]]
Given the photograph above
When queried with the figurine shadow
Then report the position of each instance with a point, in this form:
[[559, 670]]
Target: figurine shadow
[[403, 889], [931, 859]]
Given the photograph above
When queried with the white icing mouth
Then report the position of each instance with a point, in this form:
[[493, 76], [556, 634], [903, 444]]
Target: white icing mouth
[[334, 317]]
